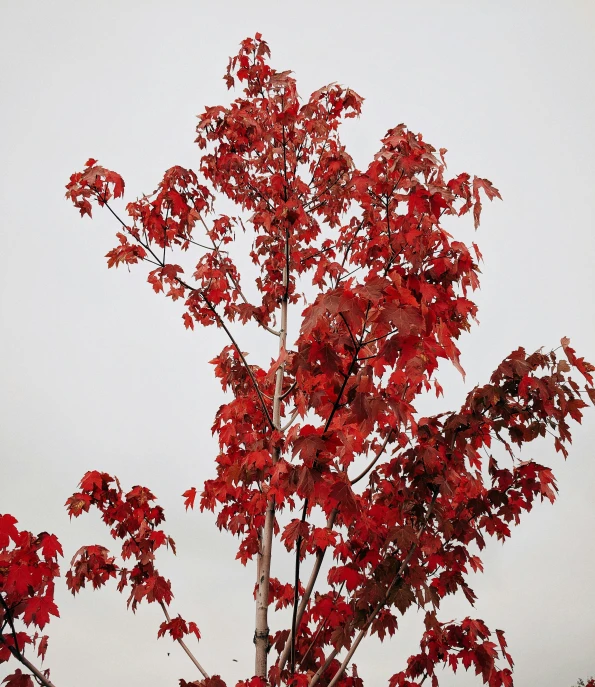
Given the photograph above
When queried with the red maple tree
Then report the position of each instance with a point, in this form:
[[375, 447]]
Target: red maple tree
[[392, 296]]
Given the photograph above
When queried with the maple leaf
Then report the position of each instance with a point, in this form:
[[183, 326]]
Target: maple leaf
[[38, 610], [296, 528], [322, 537], [343, 496], [189, 497], [8, 530], [43, 647], [50, 546], [18, 679]]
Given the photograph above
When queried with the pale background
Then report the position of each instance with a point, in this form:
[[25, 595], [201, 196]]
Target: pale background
[[98, 373]]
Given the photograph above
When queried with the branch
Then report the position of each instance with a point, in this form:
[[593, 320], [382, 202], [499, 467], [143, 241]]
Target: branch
[[344, 276], [349, 331], [374, 461], [290, 421], [362, 633], [182, 643], [346, 254], [211, 308], [234, 282], [296, 590], [285, 393], [235, 345], [322, 625], [261, 633], [394, 331], [319, 556], [320, 672], [307, 592]]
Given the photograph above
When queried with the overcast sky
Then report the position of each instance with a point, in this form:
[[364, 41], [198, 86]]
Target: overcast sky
[[97, 372]]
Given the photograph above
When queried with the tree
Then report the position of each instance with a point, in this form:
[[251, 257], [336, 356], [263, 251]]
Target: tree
[[329, 428]]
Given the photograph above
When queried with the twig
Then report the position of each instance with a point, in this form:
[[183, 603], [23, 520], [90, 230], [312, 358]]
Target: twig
[[374, 461], [233, 341], [322, 625], [285, 393]]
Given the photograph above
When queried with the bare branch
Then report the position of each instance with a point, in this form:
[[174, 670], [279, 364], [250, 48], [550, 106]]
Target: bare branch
[[294, 414], [374, 461]]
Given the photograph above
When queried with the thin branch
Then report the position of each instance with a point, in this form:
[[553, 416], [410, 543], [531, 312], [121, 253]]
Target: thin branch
[[364, 630], [349, 330], [294, 414], [320, 555], [285, 393], [217, 249], [322, 625], [182, 643], [367, 343], [315, 255], [296, 590], [233, 341], [308, 591], [355, 480], [358, 346], [323, 668], [345, 255], [261, 633], [211, 308], [344, 276]]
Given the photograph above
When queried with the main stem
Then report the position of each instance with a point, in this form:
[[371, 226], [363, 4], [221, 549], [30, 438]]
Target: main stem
[[263, 564]]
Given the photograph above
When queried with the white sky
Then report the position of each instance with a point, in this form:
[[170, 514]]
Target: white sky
[[98, 373]]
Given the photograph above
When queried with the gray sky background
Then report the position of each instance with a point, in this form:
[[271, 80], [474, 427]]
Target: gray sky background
[[97, 372]]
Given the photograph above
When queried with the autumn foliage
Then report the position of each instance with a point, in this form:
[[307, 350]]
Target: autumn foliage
[[392, 295]]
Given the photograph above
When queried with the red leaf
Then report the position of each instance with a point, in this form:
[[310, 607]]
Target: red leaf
[[50, 546], [18, 679], [189, 497], [8, 530]]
